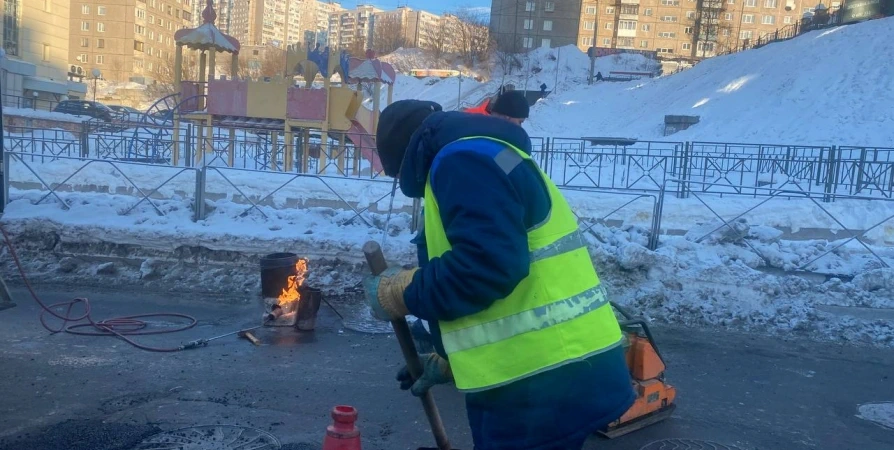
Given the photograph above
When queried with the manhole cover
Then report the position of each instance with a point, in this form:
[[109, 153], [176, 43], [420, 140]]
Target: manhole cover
[[687, 444], [211, 437]]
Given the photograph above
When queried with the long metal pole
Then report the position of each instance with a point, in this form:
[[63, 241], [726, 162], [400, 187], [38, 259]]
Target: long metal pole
[[595, 38]]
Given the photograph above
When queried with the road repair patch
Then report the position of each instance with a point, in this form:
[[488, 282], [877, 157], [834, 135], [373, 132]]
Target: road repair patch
[[881, 413], [211, 437], [687, 444]]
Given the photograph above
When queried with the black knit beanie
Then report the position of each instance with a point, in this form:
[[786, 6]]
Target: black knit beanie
[[512, 104], [397, 124]]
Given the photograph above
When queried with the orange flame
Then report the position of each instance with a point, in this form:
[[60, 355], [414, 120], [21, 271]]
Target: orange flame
[[290, 294]]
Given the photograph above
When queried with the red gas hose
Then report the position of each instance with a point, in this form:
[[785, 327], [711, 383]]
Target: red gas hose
[[120, 327]]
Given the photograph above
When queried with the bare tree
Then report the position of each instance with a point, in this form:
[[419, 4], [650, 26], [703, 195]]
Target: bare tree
[[358, 47], [471, 32], [435, 39], [506, 48], [707, 28], [389, 34], [261, 62]]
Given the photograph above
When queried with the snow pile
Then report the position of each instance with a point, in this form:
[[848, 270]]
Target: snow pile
[[42, 114], [711, 275], [767, 95], [406, 59]]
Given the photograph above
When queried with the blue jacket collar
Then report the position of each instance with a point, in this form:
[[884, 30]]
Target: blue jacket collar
[[442, 128]]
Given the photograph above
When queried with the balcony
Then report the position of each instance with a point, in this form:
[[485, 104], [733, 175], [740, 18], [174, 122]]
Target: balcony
[[629, 2], [623, 16], [626, 33]]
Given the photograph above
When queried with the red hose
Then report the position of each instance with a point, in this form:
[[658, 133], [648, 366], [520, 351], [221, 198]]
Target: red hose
[[120, 327]]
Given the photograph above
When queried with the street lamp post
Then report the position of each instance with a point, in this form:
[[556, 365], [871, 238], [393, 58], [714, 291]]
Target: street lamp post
[[2, 134], [96, 74]]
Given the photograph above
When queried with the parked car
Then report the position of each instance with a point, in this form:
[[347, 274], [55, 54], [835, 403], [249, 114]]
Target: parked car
[[126, 113], [85, 108]]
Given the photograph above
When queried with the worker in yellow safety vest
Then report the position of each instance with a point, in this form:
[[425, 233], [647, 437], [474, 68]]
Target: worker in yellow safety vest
[[520, 320]]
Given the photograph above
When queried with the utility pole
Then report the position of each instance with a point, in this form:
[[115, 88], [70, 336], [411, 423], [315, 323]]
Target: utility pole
[[595, 38]]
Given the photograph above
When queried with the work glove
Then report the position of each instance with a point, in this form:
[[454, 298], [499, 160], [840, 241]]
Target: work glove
[[435, 370], [385, 293]]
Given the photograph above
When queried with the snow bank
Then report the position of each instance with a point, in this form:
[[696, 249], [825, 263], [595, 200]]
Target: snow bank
[[768, 95]]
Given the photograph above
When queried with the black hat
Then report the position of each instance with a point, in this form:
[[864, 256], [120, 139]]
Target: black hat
[[512, 104], [397, 124]]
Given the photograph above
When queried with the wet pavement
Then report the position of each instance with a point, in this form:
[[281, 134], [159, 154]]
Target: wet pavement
[[71, 392]]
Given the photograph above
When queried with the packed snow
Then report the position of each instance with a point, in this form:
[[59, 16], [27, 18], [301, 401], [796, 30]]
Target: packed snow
[[826, 87]]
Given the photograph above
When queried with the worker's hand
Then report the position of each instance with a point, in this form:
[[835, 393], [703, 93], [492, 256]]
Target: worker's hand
[[385, 293], [435, 370]]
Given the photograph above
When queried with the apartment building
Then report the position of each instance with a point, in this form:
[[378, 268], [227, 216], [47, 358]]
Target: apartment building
[[352, 28], [414, 28], [128, 40], [35, 41], [689, 29], [516, 25], [279, 22]]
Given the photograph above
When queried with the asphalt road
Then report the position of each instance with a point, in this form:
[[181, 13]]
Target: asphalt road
[[93, 393]]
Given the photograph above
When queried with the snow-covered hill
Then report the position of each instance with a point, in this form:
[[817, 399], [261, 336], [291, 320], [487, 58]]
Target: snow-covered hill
[[826, 87]]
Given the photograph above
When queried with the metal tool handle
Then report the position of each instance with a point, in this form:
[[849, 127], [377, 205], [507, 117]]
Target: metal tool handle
[[376, 260]]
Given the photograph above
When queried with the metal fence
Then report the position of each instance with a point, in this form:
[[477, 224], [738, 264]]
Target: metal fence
[[596, 163]]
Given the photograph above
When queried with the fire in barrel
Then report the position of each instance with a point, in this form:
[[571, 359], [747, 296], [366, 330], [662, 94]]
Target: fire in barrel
[[284, 293]]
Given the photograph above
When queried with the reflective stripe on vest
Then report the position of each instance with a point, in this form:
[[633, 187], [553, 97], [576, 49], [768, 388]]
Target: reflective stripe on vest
[[557, 315]]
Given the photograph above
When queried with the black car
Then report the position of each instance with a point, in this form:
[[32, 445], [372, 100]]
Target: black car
[[126, 113], [85, 108]]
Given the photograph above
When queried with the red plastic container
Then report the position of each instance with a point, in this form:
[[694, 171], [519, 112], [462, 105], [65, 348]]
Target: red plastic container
[[342, 434]]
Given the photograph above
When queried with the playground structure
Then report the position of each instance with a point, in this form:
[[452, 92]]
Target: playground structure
[[278, 107]]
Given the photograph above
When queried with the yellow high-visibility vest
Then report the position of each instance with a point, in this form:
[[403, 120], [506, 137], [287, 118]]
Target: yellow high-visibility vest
[[558, 314]]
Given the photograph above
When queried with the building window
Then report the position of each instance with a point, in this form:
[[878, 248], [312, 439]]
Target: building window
[[151, 19], [150, 66], [85, 9], [607, 42], [609, 25], [528, 42], [668, 18], [161, 22], [101, 27], [529, 24], [670, 2], [610, 10], [626, 25], [644, 44], [625, 42], [547, 25], [82, 58], [100, 10], [665, 50], [647, 27], [139, 29], [137, 64], [100, 43], [705, 47], [648, 12], [751, 3], [769, 20], [667, 34], [690, 14], [100, 59], [630, 9], [771, 4], [725, 32], [530, 6], [151, 35], [586, 41], [687, 30], [589, 25], [731, 2], [138, 46], [686, 46], [745, 35], [46, 52], [141, 13], [787, 19], [545, 43], [549, 6], [591, 10], [728, 16], [85, 42], [85, 26], [748, 18]]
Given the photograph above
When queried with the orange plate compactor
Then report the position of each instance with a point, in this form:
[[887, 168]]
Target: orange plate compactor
[[654, 397]]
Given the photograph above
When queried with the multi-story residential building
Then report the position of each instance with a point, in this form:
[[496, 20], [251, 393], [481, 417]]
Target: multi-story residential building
[[128, 40], [275, 22], [524, 24], [690, 29], [412, 28], [35, 41], [352, 29]]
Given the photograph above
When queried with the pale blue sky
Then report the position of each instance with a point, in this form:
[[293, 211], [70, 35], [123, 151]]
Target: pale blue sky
[[435, 6]]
